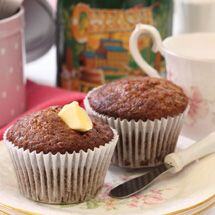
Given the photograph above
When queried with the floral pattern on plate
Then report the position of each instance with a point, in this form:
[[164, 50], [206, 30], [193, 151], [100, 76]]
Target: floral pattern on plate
[[169, 194], [151, 197]]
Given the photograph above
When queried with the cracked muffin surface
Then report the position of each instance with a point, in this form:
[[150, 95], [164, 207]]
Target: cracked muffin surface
[[139, 99], [44, 131]]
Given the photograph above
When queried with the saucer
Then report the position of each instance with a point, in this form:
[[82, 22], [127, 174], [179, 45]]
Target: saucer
[[188, 192]]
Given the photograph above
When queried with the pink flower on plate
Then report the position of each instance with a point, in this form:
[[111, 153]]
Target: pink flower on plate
[[133, 204], [103, 195], [149, 198], [198, 106], [153, 197]]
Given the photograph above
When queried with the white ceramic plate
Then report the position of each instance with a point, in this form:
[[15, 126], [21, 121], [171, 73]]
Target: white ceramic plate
[[188, 192]]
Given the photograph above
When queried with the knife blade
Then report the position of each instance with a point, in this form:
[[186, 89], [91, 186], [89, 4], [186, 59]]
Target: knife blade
[[139, 183], [173, 163]]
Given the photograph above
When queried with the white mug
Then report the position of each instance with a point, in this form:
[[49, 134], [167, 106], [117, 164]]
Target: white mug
[[190, 63]]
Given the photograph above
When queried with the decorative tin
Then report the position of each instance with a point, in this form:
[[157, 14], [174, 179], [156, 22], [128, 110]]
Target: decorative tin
[[93, 39]]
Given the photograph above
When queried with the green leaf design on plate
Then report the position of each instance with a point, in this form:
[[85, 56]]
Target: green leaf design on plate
[[91, 204], [64, 205]]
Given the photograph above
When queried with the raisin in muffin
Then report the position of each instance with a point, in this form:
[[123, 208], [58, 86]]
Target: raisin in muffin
[[56, 164], [147, 113]]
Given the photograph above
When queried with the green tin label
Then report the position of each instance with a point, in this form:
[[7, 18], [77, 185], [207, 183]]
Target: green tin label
[[95, 42]]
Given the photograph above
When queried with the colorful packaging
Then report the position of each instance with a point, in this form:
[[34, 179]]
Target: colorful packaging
[[93, 39]]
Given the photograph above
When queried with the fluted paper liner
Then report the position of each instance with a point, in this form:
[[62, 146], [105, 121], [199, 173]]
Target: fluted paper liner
[[142, 143], [61, 178]]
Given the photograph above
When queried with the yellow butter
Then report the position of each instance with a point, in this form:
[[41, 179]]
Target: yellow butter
[[76, 117]]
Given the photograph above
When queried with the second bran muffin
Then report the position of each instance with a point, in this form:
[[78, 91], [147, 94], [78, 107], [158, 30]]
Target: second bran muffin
[[147, 114]]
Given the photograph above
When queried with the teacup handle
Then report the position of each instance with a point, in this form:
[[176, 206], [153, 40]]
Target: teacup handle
[[133, 46]]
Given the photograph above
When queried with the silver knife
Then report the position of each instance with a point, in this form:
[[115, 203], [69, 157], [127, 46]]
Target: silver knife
[[173, 163]]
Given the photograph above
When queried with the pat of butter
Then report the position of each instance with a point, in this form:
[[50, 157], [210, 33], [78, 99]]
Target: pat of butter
[[76, 117]]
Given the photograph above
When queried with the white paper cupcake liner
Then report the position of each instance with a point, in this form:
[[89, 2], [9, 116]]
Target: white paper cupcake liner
[[142, 143], [61, 178]]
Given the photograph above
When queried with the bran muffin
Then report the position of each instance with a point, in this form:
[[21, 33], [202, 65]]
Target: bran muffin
[[48, 133], [147, 114], [56, 164]]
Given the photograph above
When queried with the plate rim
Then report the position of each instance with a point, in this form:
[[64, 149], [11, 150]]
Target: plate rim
[[170, 213]]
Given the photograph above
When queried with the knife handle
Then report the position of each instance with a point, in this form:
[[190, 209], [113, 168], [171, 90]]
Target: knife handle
[[198, 150]]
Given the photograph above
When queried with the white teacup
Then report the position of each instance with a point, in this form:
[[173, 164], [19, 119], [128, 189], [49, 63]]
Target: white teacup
[[193, 16], [190, 63]]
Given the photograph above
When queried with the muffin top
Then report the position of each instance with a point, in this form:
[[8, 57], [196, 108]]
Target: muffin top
[[45, 131], [144, 98]]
